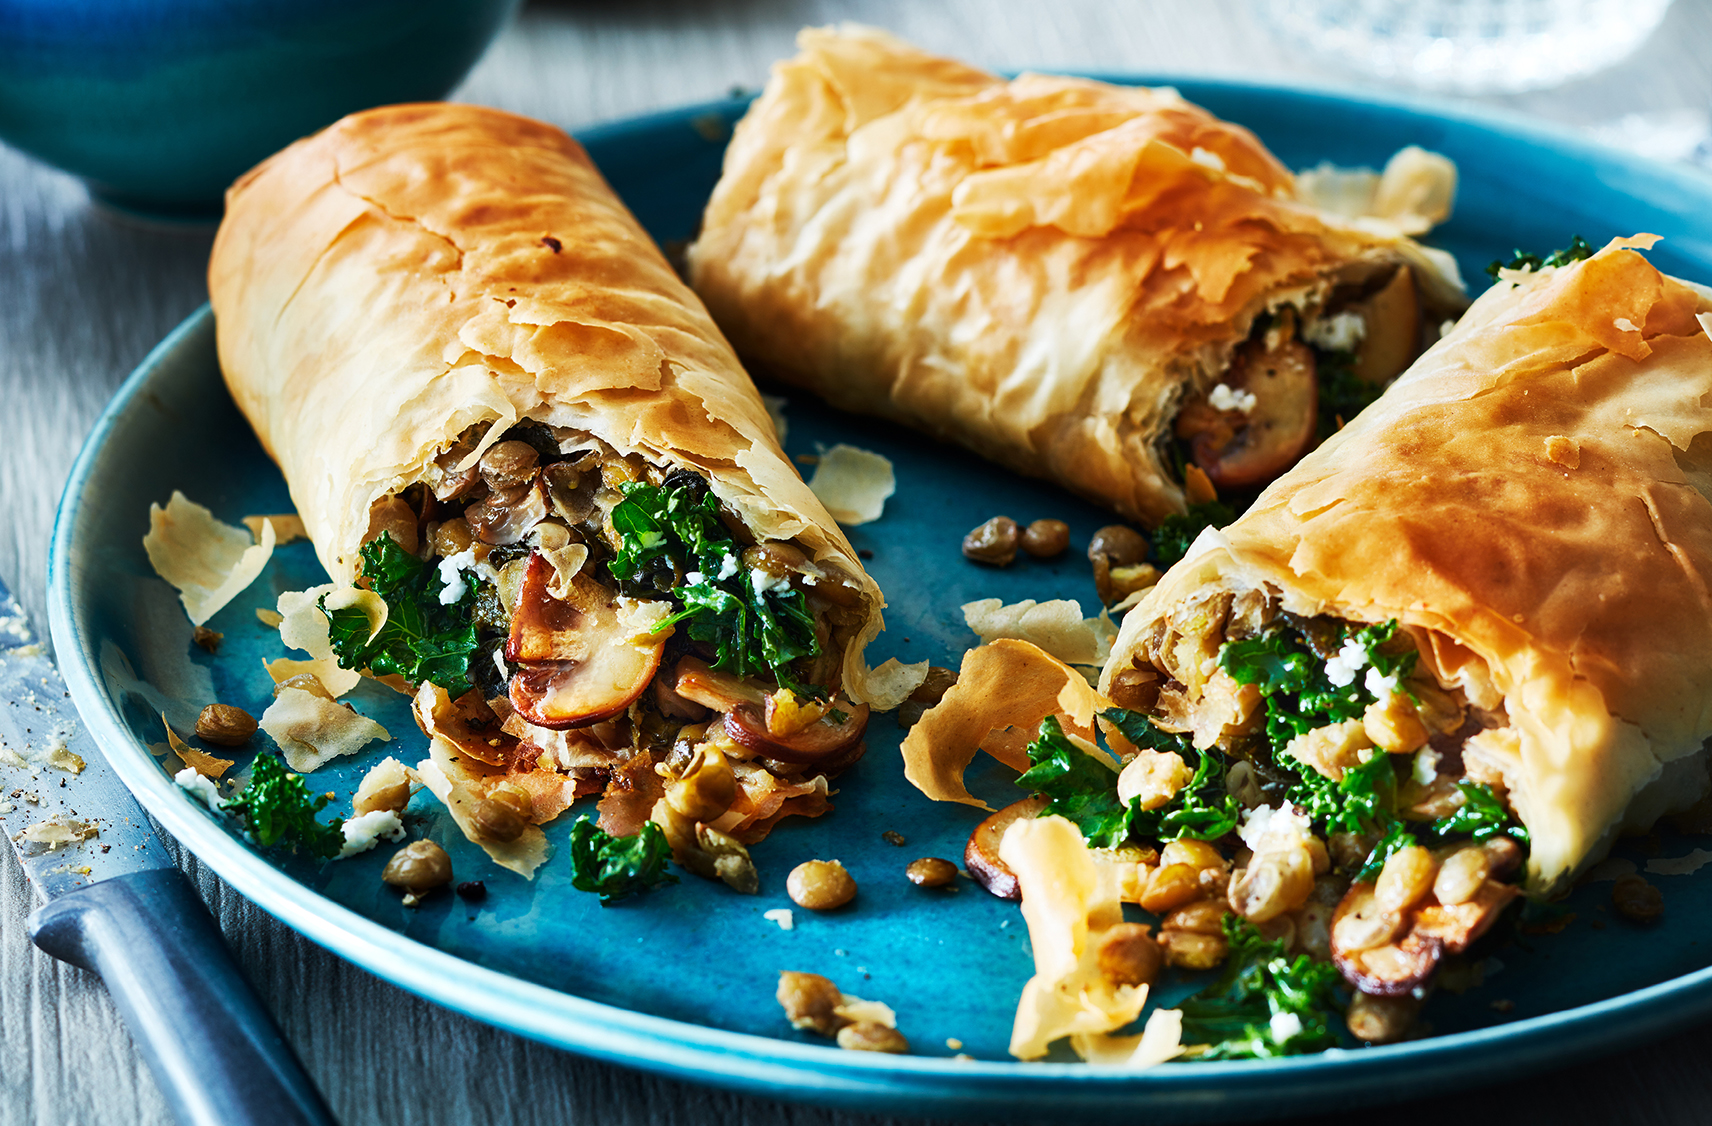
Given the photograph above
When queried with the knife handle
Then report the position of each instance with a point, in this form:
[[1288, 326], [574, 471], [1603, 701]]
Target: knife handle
[[218, 1056]]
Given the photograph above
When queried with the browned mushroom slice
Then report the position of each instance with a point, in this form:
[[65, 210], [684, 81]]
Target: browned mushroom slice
[[981, 854], [579, 661], [820, 741], [1394, 969], [711, 688], [1457, 926], [1280, 426], [1393, 318]]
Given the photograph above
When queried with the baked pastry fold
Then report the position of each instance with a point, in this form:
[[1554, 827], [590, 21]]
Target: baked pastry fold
[[446, 329], [1530, 502], [1057, 272]]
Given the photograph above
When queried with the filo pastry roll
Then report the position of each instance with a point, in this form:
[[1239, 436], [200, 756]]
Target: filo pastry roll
[[453, 338], [1066, 276], [1529, 502]]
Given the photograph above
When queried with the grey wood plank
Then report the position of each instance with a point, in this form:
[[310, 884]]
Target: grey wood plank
[[83, 297]]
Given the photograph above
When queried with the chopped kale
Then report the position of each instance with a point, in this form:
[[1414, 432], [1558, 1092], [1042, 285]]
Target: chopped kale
[[1265, 1005], [1300, 697], [278, 809], [422, 639], [1292, 678], [1578, 249], [1178, 531], [1084, 790], [1482, 816], [1343, 394], [1203, 809], [618, 866], [674, 543], [1081, 787]]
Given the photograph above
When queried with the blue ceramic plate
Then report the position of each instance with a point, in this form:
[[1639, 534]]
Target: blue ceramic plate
[[681, 981]]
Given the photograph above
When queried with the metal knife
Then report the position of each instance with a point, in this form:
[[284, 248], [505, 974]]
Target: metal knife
[[115, 904]]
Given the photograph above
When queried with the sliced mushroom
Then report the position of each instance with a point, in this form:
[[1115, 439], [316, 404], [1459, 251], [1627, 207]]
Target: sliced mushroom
[[711, 688], [601, 655], [1393, 317], [818, 742], [981, 854], [1280, 426], [1458, 926], [1395, 969]]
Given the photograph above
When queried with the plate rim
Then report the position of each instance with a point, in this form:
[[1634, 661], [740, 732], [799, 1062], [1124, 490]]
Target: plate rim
[[786, 1068]]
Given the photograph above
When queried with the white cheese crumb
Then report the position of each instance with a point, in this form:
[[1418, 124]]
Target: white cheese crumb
[[1343, 666], [365, 831], [1340, 332], [1380, 686], [764, 581], [781, 916], [1624, 324], [1225, 399], [198, 787], [694, 578], [452, 585], [727, 568], [1285, 1025], [1445, 327], [1426, 766], [1265, 828]]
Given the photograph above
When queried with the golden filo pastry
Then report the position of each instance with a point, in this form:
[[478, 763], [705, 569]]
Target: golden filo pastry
[[1063, 275], [449, 332], [1530, 503]]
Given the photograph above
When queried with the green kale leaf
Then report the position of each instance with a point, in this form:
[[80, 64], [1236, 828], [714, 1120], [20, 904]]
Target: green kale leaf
[[618, 866], [1343, 394], [422, 639], [1203, 809], [1081, 787], [1265, 1005], [278, 809], [673, 542], [1578, 249], [1482, 816], [1178, 531]]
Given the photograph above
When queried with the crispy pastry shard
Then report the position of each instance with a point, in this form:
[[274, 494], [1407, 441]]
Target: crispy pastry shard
[[1002, 693], [208, 561], [1068, 902], [312, 731]]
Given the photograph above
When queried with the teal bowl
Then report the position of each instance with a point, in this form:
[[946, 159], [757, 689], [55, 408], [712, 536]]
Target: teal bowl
[[158, 105]]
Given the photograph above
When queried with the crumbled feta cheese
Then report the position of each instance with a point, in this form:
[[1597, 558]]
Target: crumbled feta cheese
[[1225, 399], [198, 787], [1349, 660], [452, 585], [727, 568], [694, 578], [1426, 766], [781, 916], [1285, 1025], [764, 581], [1380, 686], [1265, 828], [1340, 332], [367, 830]]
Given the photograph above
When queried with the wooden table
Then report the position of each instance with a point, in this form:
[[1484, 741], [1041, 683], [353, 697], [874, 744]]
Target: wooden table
[[84, 296]]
